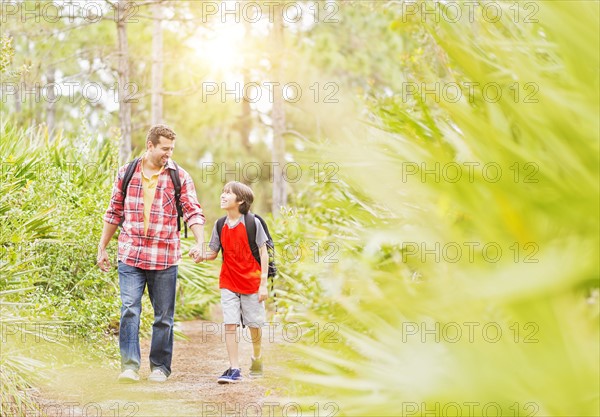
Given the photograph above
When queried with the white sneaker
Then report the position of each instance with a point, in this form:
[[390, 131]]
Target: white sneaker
[[128, 376], [157, 376]]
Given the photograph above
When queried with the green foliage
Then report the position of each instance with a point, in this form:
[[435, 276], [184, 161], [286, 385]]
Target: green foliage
[[546, 306], [50, 204], [6, 53]]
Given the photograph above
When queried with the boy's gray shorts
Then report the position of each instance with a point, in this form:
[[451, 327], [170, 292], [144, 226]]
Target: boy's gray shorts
[[246, 306]]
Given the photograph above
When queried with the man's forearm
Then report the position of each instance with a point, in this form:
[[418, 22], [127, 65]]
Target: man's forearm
[[108, 232], [198, 231]]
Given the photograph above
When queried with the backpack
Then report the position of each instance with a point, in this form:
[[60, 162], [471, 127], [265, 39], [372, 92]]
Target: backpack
[[251, 233], [176, 183]]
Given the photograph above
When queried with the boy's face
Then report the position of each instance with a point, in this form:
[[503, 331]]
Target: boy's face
[[229, 200]]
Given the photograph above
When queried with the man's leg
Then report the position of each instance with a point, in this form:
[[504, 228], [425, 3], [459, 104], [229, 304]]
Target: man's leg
[[161, 288], [132, 281]]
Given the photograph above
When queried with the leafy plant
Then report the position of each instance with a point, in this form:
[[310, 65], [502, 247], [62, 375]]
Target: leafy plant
[[399, 311]]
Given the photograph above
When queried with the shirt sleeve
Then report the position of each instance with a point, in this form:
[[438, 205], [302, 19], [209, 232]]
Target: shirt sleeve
[[114, 212], [261, 236], [214, 244], [192, 211]]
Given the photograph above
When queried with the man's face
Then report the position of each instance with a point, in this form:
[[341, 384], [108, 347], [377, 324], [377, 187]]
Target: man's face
[[160, 154]]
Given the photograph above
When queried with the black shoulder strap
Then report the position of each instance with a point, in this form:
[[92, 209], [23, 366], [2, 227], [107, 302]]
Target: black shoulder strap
[[176, 181], [220, 224], [264, 225], [177, 185], [251, 233], [128, 175]]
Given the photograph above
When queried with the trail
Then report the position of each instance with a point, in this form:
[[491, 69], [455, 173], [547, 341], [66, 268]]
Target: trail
[[191, 390]]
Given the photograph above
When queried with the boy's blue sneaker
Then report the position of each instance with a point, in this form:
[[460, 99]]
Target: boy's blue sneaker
[[230, 376]]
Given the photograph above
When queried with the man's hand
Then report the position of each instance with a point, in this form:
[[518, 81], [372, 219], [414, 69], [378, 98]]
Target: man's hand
[[263, 293], [102, 259], [197, 253]]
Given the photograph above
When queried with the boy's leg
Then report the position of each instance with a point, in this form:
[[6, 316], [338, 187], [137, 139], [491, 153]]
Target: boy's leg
[[132, 282], [230, 303], [253, 314], [161, 289], [256, 336], [232, 345]]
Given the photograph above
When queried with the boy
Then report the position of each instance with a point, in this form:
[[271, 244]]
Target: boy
[[243, 281]]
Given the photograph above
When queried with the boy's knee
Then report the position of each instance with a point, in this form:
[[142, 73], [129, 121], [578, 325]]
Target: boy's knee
[[231, 327]]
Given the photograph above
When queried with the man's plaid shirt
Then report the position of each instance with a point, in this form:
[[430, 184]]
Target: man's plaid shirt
[[160, 248]]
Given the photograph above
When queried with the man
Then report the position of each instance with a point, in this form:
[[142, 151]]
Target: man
[[149, 250]]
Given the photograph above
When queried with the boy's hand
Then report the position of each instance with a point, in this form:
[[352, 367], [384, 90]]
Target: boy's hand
[[197, 254], [263, 293]]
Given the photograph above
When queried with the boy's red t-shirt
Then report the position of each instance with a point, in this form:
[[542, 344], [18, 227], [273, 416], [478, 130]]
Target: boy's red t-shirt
[[240, 272]]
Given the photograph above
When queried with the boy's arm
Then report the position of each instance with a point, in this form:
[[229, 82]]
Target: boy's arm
[[263, 293], [210, 251], [210, 255]]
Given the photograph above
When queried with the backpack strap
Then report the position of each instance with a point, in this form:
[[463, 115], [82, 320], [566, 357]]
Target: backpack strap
[[177, 185], [131, 167], [220, 224], [251, 233], [128, 175], [270, 247]]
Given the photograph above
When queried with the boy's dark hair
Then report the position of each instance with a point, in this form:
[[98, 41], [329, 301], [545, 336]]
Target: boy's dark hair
[[242, 193], [157, 131]]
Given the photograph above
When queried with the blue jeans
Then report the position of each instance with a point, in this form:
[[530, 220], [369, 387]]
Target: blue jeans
[[161, 289]]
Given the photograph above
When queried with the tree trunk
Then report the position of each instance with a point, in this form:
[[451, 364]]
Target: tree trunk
[[157, 65], [245, 119], [124, 104], [50, 105], [278, 117]]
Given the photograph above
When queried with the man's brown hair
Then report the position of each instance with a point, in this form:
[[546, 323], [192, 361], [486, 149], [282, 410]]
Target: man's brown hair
[[242, 193], [157, 131]]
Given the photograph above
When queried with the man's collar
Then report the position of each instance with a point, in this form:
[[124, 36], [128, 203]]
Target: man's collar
[[170, 164]]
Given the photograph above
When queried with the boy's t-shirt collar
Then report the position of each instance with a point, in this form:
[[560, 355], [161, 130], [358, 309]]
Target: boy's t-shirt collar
[[238, 221]]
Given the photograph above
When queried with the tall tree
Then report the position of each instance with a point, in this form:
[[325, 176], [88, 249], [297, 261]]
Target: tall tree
[[51, 101], [124, 104], [278, 115], [157, 64], [245, 119]]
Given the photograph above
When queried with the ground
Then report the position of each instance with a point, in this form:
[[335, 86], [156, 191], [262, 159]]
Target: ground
[[191, 390]]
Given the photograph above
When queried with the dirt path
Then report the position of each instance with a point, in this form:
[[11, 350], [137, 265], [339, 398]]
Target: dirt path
[[191, 390]]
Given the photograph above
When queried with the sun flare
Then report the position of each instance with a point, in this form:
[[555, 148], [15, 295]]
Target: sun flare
[[221, 48]]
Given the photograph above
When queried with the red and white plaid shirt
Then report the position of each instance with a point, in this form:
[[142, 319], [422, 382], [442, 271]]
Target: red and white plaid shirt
[[160, 248]]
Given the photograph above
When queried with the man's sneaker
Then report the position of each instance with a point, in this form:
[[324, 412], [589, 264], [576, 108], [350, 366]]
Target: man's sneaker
[[157, 376], [128, 376], [256, 370], [230, 376]]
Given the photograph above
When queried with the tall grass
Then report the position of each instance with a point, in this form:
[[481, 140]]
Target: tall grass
[[425, 332]]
